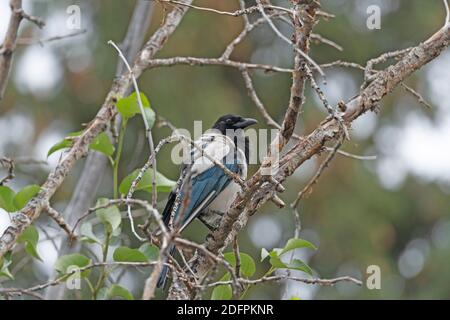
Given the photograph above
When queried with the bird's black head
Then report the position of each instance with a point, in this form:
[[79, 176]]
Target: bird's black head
[[232, 122]]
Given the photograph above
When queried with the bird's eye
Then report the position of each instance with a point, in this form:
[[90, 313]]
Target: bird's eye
[[228, 121]]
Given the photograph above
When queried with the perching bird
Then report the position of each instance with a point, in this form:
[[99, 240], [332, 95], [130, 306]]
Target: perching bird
[[204, 190]]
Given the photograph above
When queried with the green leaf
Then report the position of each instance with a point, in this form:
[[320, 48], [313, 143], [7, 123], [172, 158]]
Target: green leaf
[[5, 262], [63, 263], [30, 239], [222, 292], [65, 143], [150, 115], [58, 146], [125, 254], [23, 196], [118, 291], [4, 272], [248, 267], [128, 107], [264, 254], [276, 262], [150, 251], [296, 264], [296, 243], [7, 199], [102, 144], [163, 184], [102, 294], [88, 234], [109, 216]]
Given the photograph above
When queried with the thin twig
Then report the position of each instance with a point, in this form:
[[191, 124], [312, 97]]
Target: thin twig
[[447, 10], [9, 164], [219, 260], [144, 168], [148, 133], [9, 44], [344, 64], [61, 279], [236, 13], [237, 256], [369, 72], [194, 61], [417, 95], [26, 41], [58, 218], [352, 156], [320, 39], [258, 103], [316, 177], [283, 37], [277, 278], [332, 111]]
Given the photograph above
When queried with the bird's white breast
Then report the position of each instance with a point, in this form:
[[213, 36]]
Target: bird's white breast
[[224, 200]]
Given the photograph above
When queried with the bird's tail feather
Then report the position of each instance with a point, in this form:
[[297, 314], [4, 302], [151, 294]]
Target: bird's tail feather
[[165, 270]]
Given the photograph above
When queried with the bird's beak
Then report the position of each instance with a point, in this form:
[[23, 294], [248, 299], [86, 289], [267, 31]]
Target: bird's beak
[[244, 123]]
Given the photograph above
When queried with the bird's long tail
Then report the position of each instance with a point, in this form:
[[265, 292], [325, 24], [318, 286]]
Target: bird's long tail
[[165, 270]]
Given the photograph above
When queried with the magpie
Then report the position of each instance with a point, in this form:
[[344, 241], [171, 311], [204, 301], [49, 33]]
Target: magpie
[[204, 190]]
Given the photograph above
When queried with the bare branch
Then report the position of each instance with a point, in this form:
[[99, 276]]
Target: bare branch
[[33, 19], [254, 96], [58, 218], [316, 177], [447, 10], [322, 282], [334, 112], [9, 44], [237, 13], [193, 61], [237, 256], [320, 39], [280, 35], [9, 164], [417, 95], [61, 279], [26, 41]]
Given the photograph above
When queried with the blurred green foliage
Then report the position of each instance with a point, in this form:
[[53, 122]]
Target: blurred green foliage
[[354, 220]]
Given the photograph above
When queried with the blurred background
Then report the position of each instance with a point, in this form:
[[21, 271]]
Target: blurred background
[[393, 212]]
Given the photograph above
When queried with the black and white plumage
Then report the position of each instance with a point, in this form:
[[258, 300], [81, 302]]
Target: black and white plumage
[[204, 190]]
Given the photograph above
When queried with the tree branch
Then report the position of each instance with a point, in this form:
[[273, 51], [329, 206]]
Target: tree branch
[[250, 201], [9, 44]]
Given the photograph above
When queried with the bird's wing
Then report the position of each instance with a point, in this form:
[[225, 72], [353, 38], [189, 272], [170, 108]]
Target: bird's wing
[[208, 180], [205, 188]]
